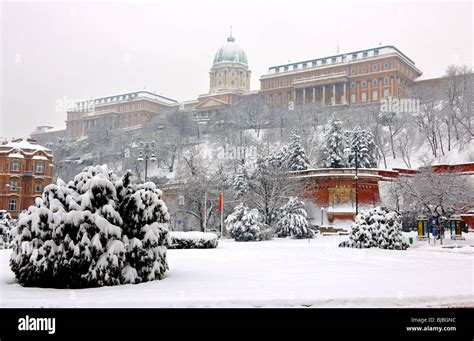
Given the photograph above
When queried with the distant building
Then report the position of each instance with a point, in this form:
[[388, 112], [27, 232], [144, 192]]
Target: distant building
[[229, 81], [118, 111], [48, 134], [359, 77], [345, 79], [25, 169]]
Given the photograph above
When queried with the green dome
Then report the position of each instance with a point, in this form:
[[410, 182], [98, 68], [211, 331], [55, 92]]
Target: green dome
[[230, 52]]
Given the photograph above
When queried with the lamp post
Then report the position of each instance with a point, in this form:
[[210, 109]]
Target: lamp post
[[322, 216], [356, 178], [147, 152]]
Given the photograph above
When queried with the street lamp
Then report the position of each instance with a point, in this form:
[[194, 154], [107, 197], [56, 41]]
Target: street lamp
[[356, 178], [322, 216], [147, 152]]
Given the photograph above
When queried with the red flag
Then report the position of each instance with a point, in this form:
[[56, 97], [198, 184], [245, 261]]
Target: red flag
[[221, 202]]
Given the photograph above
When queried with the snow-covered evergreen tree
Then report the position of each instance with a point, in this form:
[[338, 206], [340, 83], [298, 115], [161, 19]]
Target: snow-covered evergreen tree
[[292, 220], [332, 154], [240, 183], [296, 158], [97, 230], [377, 227], [243, 224], [6, 224], [362, 141], [276, 159]]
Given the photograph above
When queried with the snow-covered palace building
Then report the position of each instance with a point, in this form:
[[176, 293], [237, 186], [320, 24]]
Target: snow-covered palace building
[[348, 79]]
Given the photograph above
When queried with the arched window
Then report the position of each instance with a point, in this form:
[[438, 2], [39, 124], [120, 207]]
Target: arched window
[[363, 97], [353, 98], [386, 93], [375, 95]]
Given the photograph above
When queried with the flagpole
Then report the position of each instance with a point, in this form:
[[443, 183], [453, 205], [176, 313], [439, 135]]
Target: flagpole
[[221, 202], [205, 211]]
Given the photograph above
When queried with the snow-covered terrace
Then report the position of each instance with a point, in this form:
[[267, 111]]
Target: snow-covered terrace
[[375, 173]]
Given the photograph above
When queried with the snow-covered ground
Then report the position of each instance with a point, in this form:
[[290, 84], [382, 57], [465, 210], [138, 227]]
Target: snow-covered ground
[[279, 273]]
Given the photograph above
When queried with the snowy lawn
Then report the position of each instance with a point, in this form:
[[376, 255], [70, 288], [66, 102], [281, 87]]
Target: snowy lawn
[[277, 273]]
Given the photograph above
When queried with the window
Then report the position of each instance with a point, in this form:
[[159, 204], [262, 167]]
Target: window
[[374, 82], [354, 56], [353, 85], [376, 52], [386, 93], [14, 186], [38, 187], [39, 167], [375, 67], [386, 66], [353, 98], [295, 66], [334, 59], [386, 81], [363, 97], [232, 83], [353, 71], [12, 205], [365, 54], [220, 83], [286, 68], [375, 96], [363, 84], [304, 65], [363, 69], [15, 166]]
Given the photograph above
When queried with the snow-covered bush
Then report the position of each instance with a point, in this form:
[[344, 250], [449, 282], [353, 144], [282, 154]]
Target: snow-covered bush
[[244, 225], [377, 227], [192, 240], [96, 230], [292, 220]]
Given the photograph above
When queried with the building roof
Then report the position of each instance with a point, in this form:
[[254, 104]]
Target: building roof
[[122, 98], [24, 144], [341, 58], [230, 52]]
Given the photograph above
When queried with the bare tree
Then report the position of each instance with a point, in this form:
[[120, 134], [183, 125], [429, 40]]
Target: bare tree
[[440, 194]]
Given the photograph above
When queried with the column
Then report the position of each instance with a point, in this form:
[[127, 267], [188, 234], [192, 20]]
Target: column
[[314, 94], [369, 90], [334, 94], [344, 100], [304, 96], [324, 95]]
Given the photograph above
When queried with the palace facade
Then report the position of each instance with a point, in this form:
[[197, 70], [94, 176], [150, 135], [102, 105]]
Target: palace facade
[[348, 79]]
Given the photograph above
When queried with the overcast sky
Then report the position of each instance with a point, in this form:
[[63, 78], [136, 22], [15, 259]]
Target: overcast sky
[[81, 50]]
